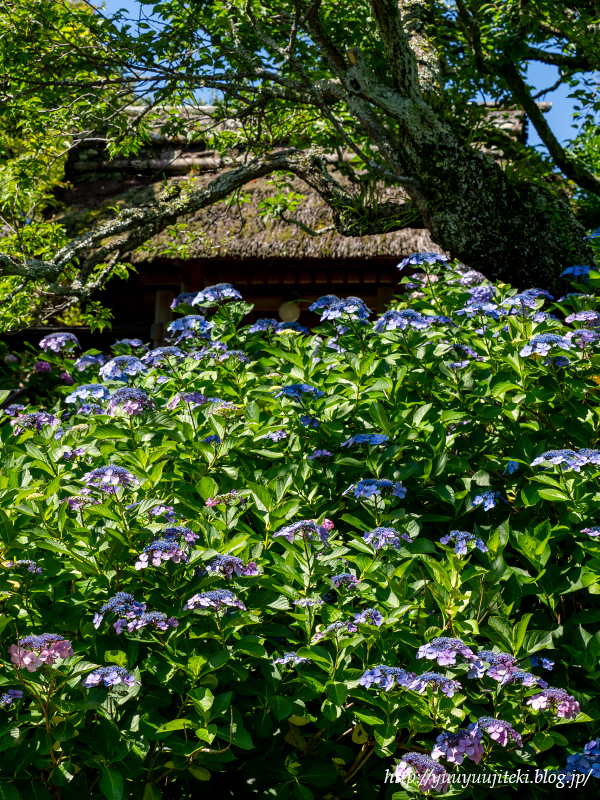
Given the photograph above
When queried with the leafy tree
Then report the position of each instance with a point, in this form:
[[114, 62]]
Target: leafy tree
[[392, 81]]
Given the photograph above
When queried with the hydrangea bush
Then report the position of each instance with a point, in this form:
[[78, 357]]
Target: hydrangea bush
[[372, 550]]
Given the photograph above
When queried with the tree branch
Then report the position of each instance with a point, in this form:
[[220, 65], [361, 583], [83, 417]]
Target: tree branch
[[570, 168]]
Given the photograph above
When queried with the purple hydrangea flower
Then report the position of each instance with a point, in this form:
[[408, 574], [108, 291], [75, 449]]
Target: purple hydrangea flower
[[32, 651], [13, 409], [291, 660], [369, 616], [320, 455], [297, 391], [109, 676], [66, 378], [568, 459], [192, 399], [522, 677], [216, 293], [386, 678], [154, 358], [42, 366], [55, 342], [345, 579], [557, 361], [336, 629], [559, 701], [10, 696], [594, 531], [379, 538], [365, 438], [501, 666], [275, 436], [445, 650], [306, 529], [454, 747], [77, 452], [416, 259], [90, 408], [169, 545], [110, 476], [30, 566], [85, 498], [577, 271], [228, 565], [10, 358], [307, 602], [498, 730], [408, 318], [544, 343], [431, 774], [94, 390], [461, 539], [370, 487], [156, 619], [184, 297], [227, 499], [36, 420], [437, 682], [120, 367], [87, 361], [124, 605], [130, 400], [583, 336], [482, 294], [488, 500], [592, 317], [215, 599], [456, 365], [545, 663], [236, 356]]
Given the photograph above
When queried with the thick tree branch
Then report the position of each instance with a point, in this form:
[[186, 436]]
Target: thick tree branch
[[574, 63], [395, 36], [570, 168]]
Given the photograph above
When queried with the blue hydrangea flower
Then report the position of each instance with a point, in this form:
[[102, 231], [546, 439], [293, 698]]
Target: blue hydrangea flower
[[545, 663], [588, 762], [168, 545], [544, 343], [445, 650], [320, 455], [90, 408], [307, 602], [109, 676], [95, 390], [134, 343], [351, 307], [124, 605], [30, 566], [336, 629], [488, 500], [369, 616], [234, 355], [370, 487], [560, 362], [184, 297], [308, 421], [511, 467], [408, 318], [297, 391], [594, 531], [365, 438], [525, 678], [120, 367], [324, 302], [583, 337], [379, 538], [263, 325], [591, 317], [156, 620], [416, 259], [55, 342], [190, 327], [495, 665], [483, 309], [482, 294], [461, 539], [577, 271], [36, 420], [84, 362], [306, 529], [216, 293], [275, 436], [593, 235], [568, 459], [12, 410], [291, 660], [156, 357], [294, 327], [345, 579], [386, 678], [437, 682], [215, 599], [228, 565], [191, 399], [10, 696]]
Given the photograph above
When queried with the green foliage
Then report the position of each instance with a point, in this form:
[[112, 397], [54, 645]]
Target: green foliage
[[211, 703]]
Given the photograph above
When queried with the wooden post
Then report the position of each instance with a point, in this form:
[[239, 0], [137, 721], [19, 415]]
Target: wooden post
[[162, 315]]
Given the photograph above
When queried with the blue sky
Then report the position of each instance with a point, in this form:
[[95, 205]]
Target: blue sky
[[560, 117]]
